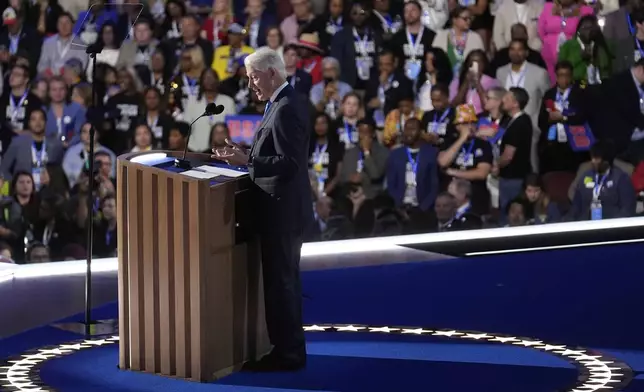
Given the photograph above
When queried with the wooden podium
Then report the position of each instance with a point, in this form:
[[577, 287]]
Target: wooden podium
[[190, 289]]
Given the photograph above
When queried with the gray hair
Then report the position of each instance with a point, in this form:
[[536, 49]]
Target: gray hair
[[333, 62], [497, 91], [463, 187], [264, 59]]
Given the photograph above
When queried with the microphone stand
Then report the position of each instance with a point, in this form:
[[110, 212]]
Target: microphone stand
[[92, 51], [183, 163]]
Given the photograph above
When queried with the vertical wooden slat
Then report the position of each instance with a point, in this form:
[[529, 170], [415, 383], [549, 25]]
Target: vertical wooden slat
[[165, 248], [135, 251], [123, 262], [182, 312], [197, 281], [150, 271]]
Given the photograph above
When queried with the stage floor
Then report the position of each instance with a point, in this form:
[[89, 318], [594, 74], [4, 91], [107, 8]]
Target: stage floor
[[565, 320]]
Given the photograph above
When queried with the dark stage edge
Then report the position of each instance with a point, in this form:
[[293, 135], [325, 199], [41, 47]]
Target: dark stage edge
[[596, 370]]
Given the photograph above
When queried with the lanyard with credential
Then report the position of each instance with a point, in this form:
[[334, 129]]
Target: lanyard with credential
[[38, 157], [439, 121], [519, 80], [191, 84], [14, 107], [412, 162], [598, 185], [348, 130], [319, 153], [562, 99], [414, 45], [467, 152], [631, 29]]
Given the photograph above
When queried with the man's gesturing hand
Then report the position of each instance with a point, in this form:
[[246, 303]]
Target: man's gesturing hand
[[233, 154]]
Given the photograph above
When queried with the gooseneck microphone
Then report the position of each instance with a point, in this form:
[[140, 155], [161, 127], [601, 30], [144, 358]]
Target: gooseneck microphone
[[212, 109]]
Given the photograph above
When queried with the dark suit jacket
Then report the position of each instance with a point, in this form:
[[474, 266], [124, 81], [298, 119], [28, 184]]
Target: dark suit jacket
[[426, 177], [621, 114], [30, 43], [343, 49], [279, 169], [399, 85], [266, 20], [555, 155], [303, 82], [616, 30]]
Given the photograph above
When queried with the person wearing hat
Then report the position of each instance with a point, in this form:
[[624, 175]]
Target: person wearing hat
[[225, 59], [310, 56], [412, 177], [467, 157], [18, 37], [396, 119]]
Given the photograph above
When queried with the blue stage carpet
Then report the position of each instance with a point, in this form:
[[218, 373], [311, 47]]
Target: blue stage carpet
[[582, 297], [342, 366]]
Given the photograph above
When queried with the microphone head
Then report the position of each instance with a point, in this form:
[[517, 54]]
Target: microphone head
[[213, 109]]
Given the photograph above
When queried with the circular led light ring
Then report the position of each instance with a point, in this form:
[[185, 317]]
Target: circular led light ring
[[597, 372]]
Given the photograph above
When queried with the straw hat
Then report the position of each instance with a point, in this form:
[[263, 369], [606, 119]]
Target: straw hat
[[465, 114], [309, 41]]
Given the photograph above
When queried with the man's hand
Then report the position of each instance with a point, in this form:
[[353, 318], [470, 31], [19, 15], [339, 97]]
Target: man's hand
[[4, 56], [555, 116], [232, 154], [44, 177]]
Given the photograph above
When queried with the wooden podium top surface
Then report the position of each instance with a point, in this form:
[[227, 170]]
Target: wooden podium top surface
[[164, 160]]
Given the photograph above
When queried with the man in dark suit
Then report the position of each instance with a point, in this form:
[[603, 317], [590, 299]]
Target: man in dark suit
[[278, 166]]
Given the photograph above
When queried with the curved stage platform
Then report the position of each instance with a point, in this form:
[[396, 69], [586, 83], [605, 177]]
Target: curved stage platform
[[523, 309]]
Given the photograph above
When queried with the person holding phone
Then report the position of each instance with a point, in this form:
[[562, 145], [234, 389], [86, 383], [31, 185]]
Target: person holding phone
[[327, 95]]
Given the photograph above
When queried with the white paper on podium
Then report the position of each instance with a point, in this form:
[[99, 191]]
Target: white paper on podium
[[220, 171], [198, 174]]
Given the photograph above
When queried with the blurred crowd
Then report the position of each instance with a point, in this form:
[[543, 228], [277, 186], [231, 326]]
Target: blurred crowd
[[426, 115]]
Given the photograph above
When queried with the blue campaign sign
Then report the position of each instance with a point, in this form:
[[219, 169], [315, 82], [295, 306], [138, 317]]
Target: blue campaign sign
[[242, 127]]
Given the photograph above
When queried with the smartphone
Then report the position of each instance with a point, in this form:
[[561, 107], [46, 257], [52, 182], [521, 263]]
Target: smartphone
[[327, 81], [475, 67]]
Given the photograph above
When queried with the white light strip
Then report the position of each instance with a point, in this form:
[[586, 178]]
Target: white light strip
[[375, 244], [553, 247], [379, 244], [64, 268]]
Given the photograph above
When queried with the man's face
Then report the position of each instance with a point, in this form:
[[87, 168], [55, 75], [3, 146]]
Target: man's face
[[142, 33], [189, 27], [39, 254], [17, 77], [564, 78], [517, 53], [516, 216], [219, 135], [37, 122], [411, 133], [359, 15], [109, 209], [57, 91], [64, 26], [412, 13], [106, 165], [439, 100], [509, 102], [255, 8], [260, 82], [290, 58], [444, 208], [329, 72], [386, 63], [235, 39], [300, 8]]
